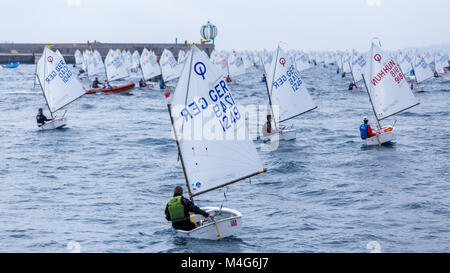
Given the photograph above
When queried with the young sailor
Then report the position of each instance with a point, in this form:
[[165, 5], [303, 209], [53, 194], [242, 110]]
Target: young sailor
[[366, 130], [96, 83], [178, 208], [40, 118], [267, 127], [142, 83]]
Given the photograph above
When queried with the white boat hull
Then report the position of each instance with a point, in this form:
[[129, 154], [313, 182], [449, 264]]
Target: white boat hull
[[418, 89], [387, 134], [229, 223], [285, 135], [54, 124]]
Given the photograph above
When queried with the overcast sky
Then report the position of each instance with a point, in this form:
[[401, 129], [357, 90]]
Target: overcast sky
[[242, 24]]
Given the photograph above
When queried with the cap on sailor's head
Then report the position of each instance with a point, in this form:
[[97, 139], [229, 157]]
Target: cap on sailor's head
[[365, 118]]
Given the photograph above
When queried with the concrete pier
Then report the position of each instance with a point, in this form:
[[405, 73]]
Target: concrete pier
[[29, 53]]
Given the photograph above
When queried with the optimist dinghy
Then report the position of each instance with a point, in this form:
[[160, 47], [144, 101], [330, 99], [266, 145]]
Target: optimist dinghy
[[203, 98], [59, 86], [288, 93], [229, 223], [385, 135], [149, 67], [388, 91]]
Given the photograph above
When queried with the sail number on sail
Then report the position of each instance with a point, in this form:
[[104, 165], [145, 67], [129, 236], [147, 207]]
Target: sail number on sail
[[390, 68], [221, 100], [292, 77], [62, 71]]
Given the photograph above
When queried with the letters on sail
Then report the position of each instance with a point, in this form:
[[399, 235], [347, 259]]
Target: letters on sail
[[387, 87], [286, 88], [115, 68], [59, 85], [207, 120]]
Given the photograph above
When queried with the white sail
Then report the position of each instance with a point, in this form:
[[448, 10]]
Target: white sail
[[405, 62], [358, 64], [79, 60], [440, 62], [235, 65], [422, 70], [149, 65], [248, 61], [169, 66], [95, 63], [286, 88], [388, 90], [220, 61], [115, 68], [59, 85], [135, 57], [203, 100], [302, 62]]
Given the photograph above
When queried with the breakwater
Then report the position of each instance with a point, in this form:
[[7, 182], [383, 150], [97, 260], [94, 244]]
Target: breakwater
[[30, 53]]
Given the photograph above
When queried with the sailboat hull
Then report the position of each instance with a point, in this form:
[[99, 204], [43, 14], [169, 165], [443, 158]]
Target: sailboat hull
[[418, 89], [229, 223], [387, 134], [286, 135], [54, 124]]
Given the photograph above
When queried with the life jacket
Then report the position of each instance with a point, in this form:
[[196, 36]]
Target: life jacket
[[269, 127], [363, 129], [176, 209]]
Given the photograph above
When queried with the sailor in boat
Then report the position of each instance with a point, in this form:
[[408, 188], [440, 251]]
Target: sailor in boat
[[436, 75], [366, 130], [162, 85], [228, 79], [264, 78], [352, 85], [41, 118], [267, 128], [142, 83], [96, 83], [343, 75], [107, 84], [178, 208], [412, 85]]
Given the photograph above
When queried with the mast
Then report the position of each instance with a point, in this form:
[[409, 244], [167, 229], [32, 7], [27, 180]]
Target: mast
[[373, 108], [42, 88], [179, 153], [271, 89], [175, 132], [415, 75]]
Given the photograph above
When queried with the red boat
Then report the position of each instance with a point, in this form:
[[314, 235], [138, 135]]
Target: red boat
[[126, 88]]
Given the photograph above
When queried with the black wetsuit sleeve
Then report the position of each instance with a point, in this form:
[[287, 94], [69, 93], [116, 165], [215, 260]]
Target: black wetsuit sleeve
[[193, 208], [167, 213]]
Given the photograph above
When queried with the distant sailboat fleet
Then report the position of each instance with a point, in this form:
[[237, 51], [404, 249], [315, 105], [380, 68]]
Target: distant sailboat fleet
[[210, 129]]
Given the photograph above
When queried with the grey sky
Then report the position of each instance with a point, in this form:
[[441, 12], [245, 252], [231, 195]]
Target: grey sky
[[242, 24]]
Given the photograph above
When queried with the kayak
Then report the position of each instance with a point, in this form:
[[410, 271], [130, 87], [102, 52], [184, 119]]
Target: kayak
[[126, 88], [12, 65]]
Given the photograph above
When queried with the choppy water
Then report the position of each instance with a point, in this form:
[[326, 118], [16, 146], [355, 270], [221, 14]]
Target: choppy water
[[104, 181]]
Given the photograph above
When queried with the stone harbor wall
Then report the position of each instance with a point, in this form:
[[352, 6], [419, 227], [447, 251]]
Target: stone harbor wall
[[30, 53]]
